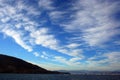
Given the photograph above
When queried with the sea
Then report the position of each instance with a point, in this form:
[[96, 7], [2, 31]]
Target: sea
[[57, 77]]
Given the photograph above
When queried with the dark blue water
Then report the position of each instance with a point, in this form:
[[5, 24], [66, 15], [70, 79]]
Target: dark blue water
[[57, 77]]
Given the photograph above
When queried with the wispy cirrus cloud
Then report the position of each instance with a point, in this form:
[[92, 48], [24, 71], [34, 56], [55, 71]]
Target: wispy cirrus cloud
[[17, 36], [46, 4], [36, 54], [28, 32], [22, 6], [43, 38], [94, 22], [89, 21], [71, 62], [105, 61], [12, 21]]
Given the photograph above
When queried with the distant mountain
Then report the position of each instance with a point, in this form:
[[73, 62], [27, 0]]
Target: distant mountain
[[86, 72], [10, 64]]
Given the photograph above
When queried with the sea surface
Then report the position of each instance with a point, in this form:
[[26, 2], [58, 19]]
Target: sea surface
[[57, 77]]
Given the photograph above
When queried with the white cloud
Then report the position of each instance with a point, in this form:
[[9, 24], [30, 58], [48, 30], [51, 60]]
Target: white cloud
[[49, 40], [73, 45], [52, 66], [21, 25], [109, 57], [46, 56], [72, 62], [106, 61], [44, 53], [36, 54], [11, 21], [77, 52], [6, 19], [18, 26], [113, 56], [17, 36], [56, 15], [93, 22], [46, 4], [72, 52], [117, 42], [75, 59], [30, 9], [93, 35], [42, 37]]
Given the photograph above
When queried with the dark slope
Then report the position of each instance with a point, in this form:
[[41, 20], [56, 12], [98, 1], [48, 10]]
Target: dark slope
[[10, 64]]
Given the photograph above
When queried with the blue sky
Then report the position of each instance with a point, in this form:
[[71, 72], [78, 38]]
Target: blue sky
[[62, 34]]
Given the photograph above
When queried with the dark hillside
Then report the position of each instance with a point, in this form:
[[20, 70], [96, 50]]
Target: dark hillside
[[10, 64]]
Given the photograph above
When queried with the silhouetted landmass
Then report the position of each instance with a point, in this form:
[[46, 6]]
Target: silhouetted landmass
[[10, 64]]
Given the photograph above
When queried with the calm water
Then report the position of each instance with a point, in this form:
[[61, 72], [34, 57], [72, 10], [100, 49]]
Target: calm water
[[56, 77]]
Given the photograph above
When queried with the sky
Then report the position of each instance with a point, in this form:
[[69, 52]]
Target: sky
[[62, 34]]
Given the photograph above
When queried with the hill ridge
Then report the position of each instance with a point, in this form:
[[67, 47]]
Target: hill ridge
[[9, 64]]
